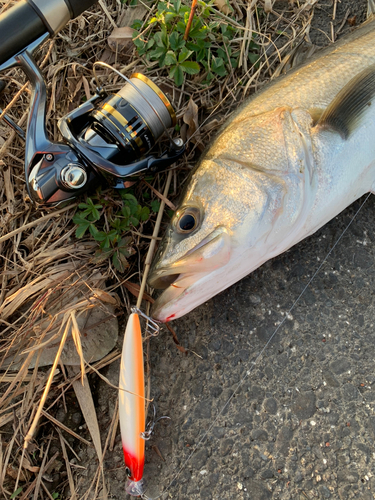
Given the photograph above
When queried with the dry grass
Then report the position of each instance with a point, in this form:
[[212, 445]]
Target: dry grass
[[48, 279]]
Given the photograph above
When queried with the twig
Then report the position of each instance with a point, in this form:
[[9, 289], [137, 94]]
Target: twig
[[163, 198], [194, 6], [153, 241], [35, 222], [31, 431]]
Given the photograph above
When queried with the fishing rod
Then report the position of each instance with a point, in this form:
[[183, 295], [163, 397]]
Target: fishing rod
[[106, 140]]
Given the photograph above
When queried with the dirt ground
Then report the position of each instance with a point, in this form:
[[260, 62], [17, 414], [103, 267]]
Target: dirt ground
[[296, 423]]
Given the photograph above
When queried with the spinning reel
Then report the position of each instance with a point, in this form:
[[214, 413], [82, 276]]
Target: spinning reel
[[106, 139]]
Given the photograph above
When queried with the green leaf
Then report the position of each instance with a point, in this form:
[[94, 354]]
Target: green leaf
[[184, 54], [93, 230], [145, 213], [177, 6], [253, 58], [100, 236], [138, 42], [177, 73], [176, 41], [120, 262], [90, 209], [155, 205], [218, 66], [157, 53], [181, 27], [134, 221], [16, 493], [190, 67], [125, 242], [170, 58], [131, 202], [80, 231], [198, 31], [125, 211], [158, 40], [129, 197], [137, 25], [169, 16], [164, 36]]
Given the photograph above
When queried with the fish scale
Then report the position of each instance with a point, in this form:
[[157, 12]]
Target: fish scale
[[289, 160]]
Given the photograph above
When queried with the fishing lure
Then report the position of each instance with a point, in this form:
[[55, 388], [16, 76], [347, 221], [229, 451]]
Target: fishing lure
[[132, 406], [134, 431]]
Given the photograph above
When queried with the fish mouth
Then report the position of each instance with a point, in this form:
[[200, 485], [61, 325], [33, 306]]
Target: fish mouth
[[179, 278]]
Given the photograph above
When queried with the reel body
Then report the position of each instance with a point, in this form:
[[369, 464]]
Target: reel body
[[107, 139]]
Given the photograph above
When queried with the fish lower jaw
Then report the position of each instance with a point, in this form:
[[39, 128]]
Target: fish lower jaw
[[166, 302]]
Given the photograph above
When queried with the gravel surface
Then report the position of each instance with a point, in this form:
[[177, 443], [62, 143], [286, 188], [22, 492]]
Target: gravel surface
[[289, 419]]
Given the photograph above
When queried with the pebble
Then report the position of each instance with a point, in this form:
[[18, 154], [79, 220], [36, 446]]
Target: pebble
[[270, 406], [340, 365], [304, 405]]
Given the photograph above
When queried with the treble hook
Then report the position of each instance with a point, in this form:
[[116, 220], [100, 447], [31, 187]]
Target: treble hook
[[151, 424], [153, 328]]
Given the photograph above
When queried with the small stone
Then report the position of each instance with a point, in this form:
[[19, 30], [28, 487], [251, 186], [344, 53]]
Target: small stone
[[200, 458], [270, 406], [226, 446], [215, 344], [256, 392], [283, 439], [340, 365], [267, 474], [298, 477], [256, 490], [77, 418], [254, 299], [324, 491], [203, 409], [350, 392], [219, 432], [228, 347], [305, 405], [260, 435]]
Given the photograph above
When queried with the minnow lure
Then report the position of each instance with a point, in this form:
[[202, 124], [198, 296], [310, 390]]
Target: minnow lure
[[132, 406]]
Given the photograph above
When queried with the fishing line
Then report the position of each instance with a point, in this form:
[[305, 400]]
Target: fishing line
[[253, 363]]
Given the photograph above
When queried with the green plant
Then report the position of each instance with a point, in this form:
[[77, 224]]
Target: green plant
[[112, 242], [16, 493], [209, 44]]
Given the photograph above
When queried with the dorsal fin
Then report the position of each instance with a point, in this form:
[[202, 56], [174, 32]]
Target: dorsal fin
[[347, 108]]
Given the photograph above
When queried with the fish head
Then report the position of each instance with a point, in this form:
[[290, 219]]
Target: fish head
[[201, 250], [242, 205]]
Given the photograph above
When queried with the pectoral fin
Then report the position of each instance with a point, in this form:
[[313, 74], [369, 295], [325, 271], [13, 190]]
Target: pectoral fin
[[351, 103]]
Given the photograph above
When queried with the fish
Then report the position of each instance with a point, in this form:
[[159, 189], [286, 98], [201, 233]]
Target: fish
[[288, 161], [132, 406]]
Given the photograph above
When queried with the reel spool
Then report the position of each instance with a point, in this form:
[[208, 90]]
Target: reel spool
[[126, 125]]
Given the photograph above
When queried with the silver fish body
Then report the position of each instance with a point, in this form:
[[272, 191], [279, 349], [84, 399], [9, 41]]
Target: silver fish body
[[282, 167]]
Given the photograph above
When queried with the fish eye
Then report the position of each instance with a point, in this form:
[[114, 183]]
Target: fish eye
[[187, 220], [128, 472]]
